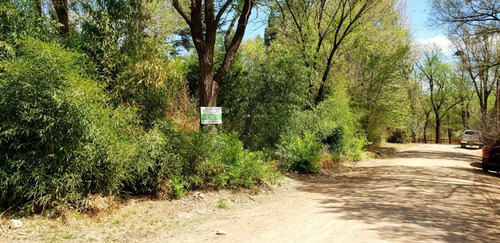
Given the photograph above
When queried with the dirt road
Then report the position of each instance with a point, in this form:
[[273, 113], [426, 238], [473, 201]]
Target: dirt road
[[429, 193]]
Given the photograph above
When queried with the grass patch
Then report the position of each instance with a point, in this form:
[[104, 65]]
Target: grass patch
[[222, 204]]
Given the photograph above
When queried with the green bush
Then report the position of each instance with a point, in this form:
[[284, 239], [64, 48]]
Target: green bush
[[60, 141], [20, 18], [228, 163], [212, 161], [262, 100], [300, 154], [334, 124], [218, 160], [6, 51], [42, 126], [58, 138]]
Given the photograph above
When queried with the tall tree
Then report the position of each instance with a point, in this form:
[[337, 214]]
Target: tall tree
[[465, 93], [480, 58], [471, 22], [319, 29], [205, 18], [437, 79], [378, 64]]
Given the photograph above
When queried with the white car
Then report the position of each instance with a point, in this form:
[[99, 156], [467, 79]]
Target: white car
[[471, 138]]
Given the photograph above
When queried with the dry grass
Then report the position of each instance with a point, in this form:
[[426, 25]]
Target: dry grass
[[183, 112], [327, 162], [491, 134], [97, 204]]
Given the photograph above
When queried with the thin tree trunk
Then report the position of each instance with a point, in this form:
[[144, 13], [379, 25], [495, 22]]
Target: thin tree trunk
[[425, 127], [61, 7], [438, 127], [497, 106]]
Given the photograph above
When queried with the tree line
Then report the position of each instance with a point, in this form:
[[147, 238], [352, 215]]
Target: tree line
[[460, 90]]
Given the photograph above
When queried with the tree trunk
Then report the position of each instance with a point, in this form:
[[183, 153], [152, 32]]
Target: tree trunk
[[497, 106], [438, 128], [204, 24], [425, 130], [208, 89], [61, 7]]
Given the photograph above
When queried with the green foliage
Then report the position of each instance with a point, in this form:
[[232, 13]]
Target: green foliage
[[46, 107], [300, 154], [60, 141], [334, 124], [262, 100], [222, 204], [6, 51], [218, 160], [398, 136], [331, 126], [380, 60], [19, 18], [129, 59]]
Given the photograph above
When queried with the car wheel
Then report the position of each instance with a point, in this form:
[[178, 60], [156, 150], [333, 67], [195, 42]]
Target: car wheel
[[462, 145], [485, 167]]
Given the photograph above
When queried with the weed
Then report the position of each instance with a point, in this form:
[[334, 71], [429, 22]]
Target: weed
[[222, 204], [68, 236]]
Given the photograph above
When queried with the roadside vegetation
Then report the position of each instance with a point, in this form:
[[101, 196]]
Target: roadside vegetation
[[101, 98]]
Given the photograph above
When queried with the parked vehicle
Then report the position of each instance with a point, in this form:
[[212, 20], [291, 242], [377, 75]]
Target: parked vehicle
[[491, 158], [471, 138]]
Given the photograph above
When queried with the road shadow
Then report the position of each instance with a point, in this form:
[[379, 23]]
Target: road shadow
[[468, 148], [408, 204], [457, 156], [476, 165]]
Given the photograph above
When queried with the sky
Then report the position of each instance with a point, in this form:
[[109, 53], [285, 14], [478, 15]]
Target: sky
[[418, 11], [423, 33]]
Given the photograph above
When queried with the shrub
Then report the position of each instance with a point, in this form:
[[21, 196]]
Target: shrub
[[300, 154], [261, 100], [61, 142], [41, 125], [334, 124], [216, 160], [59, 139], [6, 51]]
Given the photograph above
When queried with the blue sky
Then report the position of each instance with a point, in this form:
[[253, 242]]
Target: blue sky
[[419, 14], [424, 34]]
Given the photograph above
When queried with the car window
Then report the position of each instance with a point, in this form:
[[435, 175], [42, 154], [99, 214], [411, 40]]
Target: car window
[[469, 132]]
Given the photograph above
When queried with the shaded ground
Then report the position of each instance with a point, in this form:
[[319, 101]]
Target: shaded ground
[[427, 193]]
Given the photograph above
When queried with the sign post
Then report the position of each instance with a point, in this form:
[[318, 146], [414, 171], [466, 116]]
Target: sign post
[[211, 115]]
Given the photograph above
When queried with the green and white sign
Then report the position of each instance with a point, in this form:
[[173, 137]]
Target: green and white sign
[[211, 115]]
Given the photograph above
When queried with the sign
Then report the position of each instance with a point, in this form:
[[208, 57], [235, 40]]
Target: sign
[[211, 115]]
